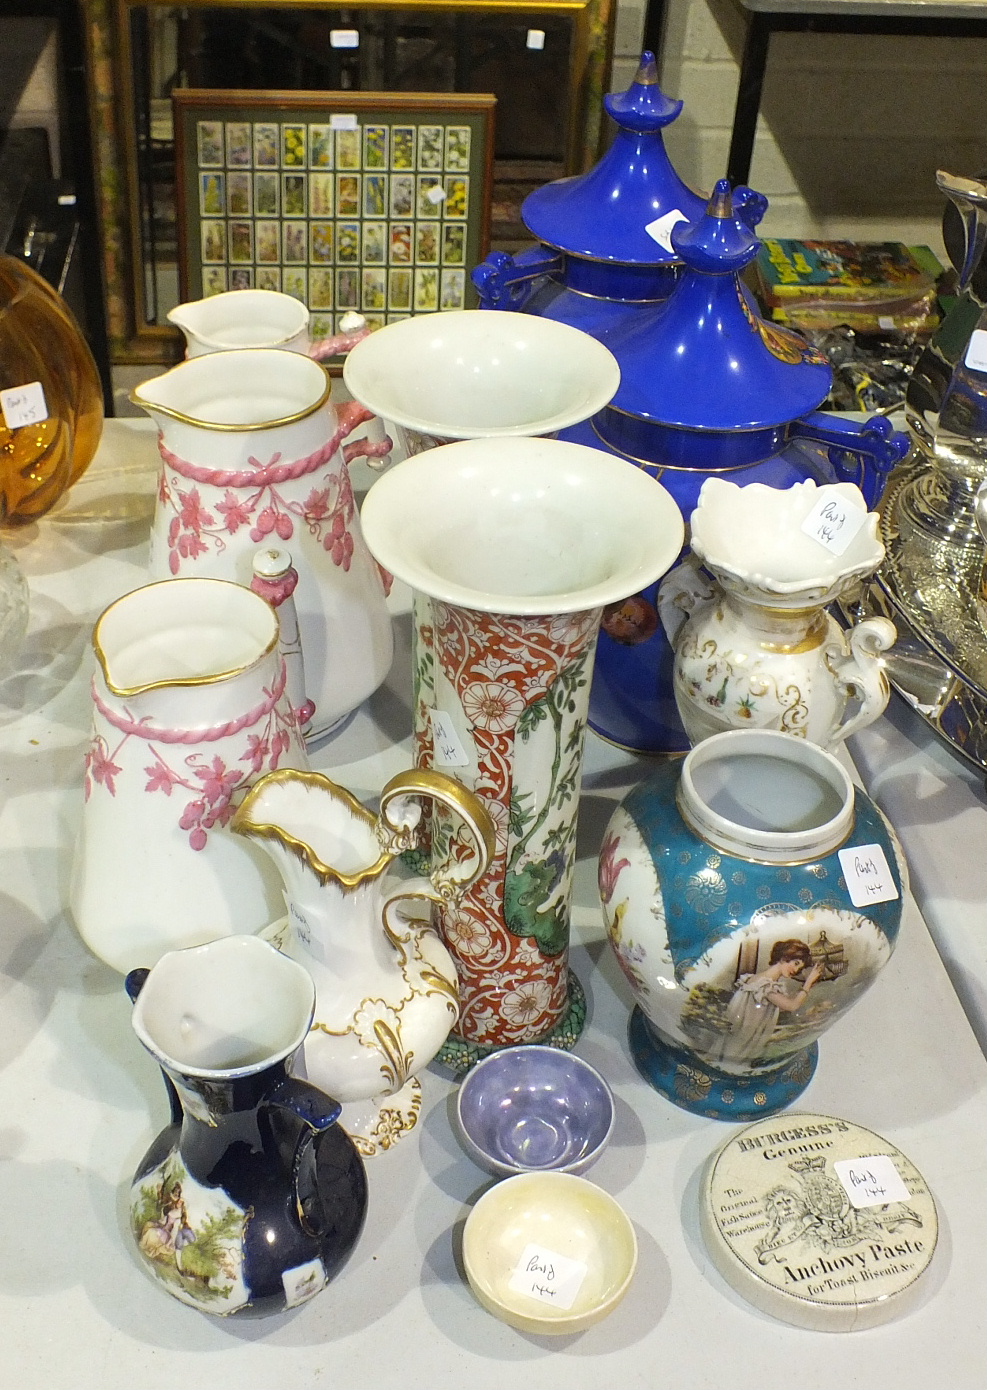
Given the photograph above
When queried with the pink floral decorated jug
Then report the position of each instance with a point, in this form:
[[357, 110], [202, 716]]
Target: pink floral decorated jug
[[190, 707], [252, 454]]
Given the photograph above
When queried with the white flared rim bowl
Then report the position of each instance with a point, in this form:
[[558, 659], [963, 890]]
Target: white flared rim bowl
[[473, 373], [752, 534], [522, 526], [565, 1214]]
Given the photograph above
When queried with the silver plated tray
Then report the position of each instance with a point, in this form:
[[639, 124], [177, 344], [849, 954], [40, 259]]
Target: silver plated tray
[[928, 586]]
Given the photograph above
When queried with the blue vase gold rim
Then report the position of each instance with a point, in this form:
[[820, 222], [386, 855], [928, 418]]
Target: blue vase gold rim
[[713, 431], [656, 753], [611, 261], [601, 298]]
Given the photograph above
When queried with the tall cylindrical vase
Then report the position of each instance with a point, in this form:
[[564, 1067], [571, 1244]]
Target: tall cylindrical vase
[[513, 547]]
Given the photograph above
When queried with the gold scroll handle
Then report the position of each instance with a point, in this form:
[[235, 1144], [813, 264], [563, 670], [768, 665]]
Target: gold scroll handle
[[399, 829]]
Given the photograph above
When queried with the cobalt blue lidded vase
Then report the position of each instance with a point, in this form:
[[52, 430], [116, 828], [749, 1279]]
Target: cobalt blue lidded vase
[[631, 255], [708, 388], [596, 263], [752, 894], [253, 1197]]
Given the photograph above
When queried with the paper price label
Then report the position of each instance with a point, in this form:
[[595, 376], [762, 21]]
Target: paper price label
[[23, 405], [976, 353], [447, 748], [833, 522], [547, 1276], [344, 38], [342, 121], [868, 877], [660, 229], [436, 194], [871, 1182]]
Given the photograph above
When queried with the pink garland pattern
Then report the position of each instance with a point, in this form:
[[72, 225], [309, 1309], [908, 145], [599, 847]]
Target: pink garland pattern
[[214, 783], [252, 497]]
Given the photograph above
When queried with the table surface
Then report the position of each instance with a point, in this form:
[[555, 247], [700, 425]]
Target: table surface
[[81, 1100], [930, 10]]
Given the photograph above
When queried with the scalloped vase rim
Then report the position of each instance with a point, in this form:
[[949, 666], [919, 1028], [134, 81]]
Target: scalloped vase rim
[[839, 569]]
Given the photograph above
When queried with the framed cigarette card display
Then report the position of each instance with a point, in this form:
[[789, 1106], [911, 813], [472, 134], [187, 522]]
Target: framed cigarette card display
[[366, 201]]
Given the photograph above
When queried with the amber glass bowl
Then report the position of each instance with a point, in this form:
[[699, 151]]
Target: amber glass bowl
[[41, 341]]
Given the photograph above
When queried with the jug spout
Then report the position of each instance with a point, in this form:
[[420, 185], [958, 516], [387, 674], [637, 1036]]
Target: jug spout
[[188, 318], [188, 632], [242, 318]]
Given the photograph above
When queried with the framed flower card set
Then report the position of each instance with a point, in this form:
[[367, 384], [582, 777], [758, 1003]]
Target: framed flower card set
[[367, 201]]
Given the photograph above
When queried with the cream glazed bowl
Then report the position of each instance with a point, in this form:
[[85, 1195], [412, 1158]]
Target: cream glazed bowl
[[549, 1253], [470, 374]]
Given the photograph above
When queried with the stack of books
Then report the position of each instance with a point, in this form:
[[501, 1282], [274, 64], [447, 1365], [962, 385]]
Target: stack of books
[[871, 287]]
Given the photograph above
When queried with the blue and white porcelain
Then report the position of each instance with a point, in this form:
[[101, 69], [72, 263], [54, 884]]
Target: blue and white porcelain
[[732, 887]]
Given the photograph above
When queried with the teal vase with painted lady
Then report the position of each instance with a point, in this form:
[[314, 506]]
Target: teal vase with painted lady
[[751, 894]]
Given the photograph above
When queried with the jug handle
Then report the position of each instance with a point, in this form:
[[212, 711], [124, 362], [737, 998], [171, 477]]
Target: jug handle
[[338, 344], [862, 452], [318, 1112], [685, 588], [860, 673], [351, 414], [305, 1101], [399, 826], [133, 983]]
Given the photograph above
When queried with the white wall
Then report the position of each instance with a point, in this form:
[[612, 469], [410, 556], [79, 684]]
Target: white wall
[[852, 128]]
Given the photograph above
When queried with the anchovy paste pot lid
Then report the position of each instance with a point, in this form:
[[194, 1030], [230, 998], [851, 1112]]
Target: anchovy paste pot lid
[[818, 1221]]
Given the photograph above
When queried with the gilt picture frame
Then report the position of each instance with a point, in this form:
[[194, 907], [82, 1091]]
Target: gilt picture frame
[[367, 202]]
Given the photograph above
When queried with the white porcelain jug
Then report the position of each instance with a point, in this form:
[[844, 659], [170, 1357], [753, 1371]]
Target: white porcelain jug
[[256, 319], [758, 649], [189, 707], [251, 450]]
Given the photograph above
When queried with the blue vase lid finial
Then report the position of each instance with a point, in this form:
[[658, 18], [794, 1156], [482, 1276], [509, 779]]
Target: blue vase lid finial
[[706, 359], [604, 215]]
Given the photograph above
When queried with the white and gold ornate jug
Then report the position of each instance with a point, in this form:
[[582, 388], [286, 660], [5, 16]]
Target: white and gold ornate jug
[[252, 453], [758, 648], [386, 988]]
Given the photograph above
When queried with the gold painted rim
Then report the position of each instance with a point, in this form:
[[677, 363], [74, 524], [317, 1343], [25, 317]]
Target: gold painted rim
[[218, 427], [243, 824], [702, 429], [772, 863], [124, 691], [607, 260]]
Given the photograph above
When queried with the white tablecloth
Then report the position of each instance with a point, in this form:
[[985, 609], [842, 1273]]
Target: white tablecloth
[[81, 1100]]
